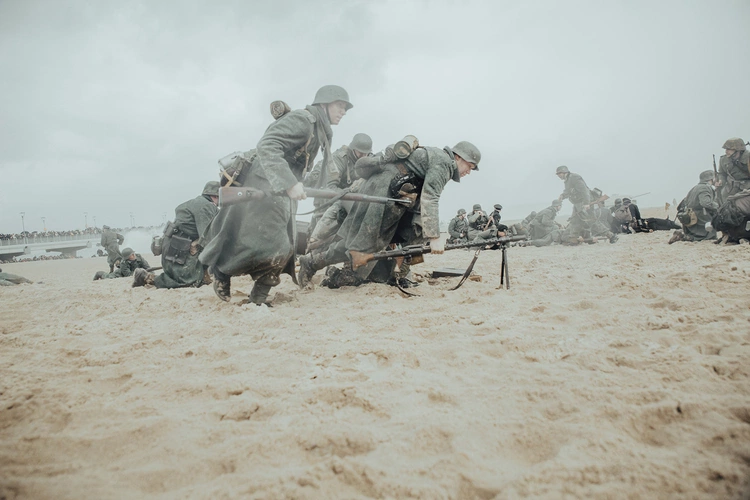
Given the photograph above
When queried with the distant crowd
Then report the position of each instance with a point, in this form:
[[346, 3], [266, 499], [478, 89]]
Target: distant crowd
[[45, 234]]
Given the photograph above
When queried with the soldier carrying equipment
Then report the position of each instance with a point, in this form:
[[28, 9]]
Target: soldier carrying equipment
[[233, 195]]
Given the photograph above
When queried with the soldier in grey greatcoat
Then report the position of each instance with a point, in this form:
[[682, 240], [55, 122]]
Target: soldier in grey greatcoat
[[543, 230], [371, 227], [111, 242], [181, 267], [702, 201], [258, 238], [584, 221], [734, 167], [458, 228], [129, 263], [340, 176]]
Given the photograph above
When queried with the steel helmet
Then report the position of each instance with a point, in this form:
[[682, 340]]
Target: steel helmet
[[734, 143], [562, 169], [361, 143], [477, 206], [468, 152], [556, 202], [332, 93], [461, 211], [126, 252], [706, 175], [211, 188]]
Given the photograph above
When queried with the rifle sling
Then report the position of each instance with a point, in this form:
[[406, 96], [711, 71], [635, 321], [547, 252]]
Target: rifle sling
[[468, 270]]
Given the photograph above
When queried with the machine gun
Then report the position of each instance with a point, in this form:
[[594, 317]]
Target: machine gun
[[233, 195], [413, 254]]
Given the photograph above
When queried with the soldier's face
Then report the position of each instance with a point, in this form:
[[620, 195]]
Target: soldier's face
[[336, 111], [561, 176], [729, 152], [464, 167], [131, 257]]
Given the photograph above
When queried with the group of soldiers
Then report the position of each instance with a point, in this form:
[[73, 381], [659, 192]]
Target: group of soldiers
[[720, 201], [260, 238]]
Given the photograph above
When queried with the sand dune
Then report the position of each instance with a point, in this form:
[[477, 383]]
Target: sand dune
[[606, 371]]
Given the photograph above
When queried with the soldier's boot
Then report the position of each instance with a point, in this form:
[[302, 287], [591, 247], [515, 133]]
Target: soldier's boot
[[111, 268], [308, 265], [261, 289], [142, 277], [99, 275], [206, 278], [612, 237], [677, 236], [222, 286]]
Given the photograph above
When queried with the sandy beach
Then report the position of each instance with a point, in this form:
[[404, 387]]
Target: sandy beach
[[606, 371]]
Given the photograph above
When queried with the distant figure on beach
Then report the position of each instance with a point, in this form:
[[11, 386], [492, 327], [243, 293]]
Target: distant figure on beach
[[129, 263], [111, 242], [7, 279], [696, 211], [458, 228], [181, 244], [584, 223], [543, 230], [734, 168]]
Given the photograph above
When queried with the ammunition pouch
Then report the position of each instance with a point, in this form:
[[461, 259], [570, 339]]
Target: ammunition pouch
[[177, 250], [156, 245], [405, 184], [688, 217]]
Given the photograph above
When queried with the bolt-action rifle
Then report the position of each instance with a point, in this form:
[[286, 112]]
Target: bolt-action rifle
[[413, 253], [716, 172], [233, 195]]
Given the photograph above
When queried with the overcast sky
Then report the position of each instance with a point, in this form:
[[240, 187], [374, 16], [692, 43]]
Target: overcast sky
[[118, 107]]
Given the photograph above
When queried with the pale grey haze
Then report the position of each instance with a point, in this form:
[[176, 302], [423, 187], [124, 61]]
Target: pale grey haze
[[118, 107]]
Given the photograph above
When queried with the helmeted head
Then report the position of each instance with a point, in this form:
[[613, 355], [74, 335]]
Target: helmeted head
[[562, 169], [211, 188], [332, 93], [556, 202], [497, 207], [361, 143], [127, 252], [706, 175], [734, 143], [468, 152], [477, 207], [461, 211], [105, 226], [618, 202]]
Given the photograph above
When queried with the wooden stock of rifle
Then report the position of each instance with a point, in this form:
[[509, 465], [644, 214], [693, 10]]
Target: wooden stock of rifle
[[233, 195], [360, 259]]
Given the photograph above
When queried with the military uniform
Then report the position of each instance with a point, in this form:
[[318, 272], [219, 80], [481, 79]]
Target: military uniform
[[111, 242], [458, 228], [702, 199], [479, 227], [259, 237], [543, 230], [371, 227], [734, 173], [191, 220], [584, 219], [127, 266]]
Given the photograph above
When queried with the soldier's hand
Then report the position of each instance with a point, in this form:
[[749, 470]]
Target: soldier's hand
[[437, 246], [296, 192]]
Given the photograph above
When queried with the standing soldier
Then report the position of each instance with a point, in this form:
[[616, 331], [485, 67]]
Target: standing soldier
[[543, 230], [584, 219], [259, 238], [340, 176], [734, 167], [182, 244], [111, 242], [696, 211], [458, 228], [371, 227]]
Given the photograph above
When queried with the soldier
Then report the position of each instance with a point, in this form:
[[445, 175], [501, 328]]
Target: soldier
[[523, 226], [458, 228], [182, 243], [696, 211], [479, 224], [636, 221], [259, 238], [111, 242], [543, 230], [129, 263], [734, 167], [495, 218], [584, 219], [371, 227], [621, 218], [340, 176]]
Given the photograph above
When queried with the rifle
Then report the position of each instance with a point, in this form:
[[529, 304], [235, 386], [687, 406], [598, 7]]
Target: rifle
[[359, 259], [716, 172], [233, 195]]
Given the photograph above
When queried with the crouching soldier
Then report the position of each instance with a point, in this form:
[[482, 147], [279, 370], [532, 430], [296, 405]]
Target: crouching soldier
[[182, 244], [696, 211], [543, 230], [129, 263], [458, 229]]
